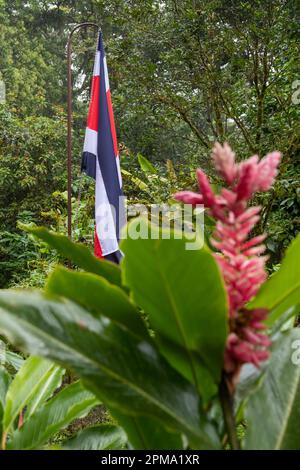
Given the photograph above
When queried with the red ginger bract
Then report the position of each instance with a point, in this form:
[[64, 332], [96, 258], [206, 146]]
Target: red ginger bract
[[238, 256]]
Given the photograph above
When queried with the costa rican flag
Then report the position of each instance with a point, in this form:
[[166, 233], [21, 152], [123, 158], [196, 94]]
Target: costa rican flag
[[100, 160]]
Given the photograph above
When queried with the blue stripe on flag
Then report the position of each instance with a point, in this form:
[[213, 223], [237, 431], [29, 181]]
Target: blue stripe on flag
[[106, 156]]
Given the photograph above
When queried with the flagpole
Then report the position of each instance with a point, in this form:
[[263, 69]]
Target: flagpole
[[69, 137]]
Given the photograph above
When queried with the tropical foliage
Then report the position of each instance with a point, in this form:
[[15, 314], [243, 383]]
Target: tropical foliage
[[146, 340], [183, 74], [86, 321], [34, 407]]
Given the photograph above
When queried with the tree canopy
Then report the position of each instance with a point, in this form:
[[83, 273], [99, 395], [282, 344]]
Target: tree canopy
[[183, 74]]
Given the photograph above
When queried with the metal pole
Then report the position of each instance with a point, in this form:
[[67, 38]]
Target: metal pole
[[69, 138]]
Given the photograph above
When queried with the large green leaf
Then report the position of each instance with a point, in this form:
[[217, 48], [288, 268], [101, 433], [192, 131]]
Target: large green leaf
[[282, 290], [5, 380], [9, 357], [125, 371], [71, 403], [27, 382], [102, 437], [52, 381], [273, 411], [146, 166], [145, 433], [13, 359], [249, 380], [97, 295], [77, 253], [183, 293], [286, 320], [4, 384]]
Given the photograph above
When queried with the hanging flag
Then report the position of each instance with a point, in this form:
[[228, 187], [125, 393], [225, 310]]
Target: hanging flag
[[100, 160]]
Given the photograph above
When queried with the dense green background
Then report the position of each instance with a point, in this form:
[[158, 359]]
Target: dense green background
[[183, 74]]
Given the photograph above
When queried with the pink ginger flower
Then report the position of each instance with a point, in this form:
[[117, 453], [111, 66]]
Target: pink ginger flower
[[239, 257]]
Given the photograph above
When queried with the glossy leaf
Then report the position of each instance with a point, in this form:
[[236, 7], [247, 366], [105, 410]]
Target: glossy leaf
[[102, 437], [14, 360], [4, 384], [27, 382], [98, 296], [52, 381], [286, 319], [183, 293], [273, 411], [249, 380], [125, 371], [79, 254], [9, 357], [71, 403], [145, 433], [282, 290]]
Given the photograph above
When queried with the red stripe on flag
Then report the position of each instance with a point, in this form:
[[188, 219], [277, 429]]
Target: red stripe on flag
[[112, 122], [97, 246], [93, 116]]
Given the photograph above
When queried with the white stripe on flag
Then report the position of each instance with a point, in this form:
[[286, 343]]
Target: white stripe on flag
[[106, 74], [119, 171], [105, 225], [90, 141], [97, 64]]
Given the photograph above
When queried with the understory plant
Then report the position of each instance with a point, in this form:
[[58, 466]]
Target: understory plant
[[221, 350], [35, 406]]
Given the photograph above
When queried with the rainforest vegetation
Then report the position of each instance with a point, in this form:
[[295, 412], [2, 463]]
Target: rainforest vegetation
[[183, 75]]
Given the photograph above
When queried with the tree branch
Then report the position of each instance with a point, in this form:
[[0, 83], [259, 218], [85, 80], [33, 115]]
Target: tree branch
[[183, 113]]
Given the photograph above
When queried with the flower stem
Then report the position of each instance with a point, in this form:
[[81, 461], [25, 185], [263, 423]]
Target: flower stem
[[226, 399], [3, 443]]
